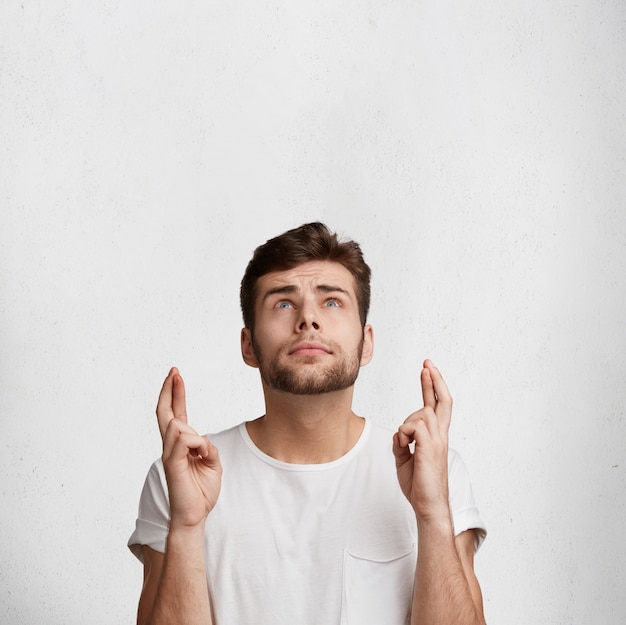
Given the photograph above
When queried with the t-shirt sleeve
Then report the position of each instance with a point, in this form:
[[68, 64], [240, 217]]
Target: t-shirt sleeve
[[153, 519], [465, 514]]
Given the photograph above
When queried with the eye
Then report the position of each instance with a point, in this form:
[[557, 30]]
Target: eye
[[283, 304], [332, 303]]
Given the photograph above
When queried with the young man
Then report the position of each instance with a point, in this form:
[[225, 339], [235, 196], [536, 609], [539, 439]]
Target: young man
[[308, 515]]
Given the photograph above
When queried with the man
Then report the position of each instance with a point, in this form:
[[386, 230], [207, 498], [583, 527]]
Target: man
[[308, 515]]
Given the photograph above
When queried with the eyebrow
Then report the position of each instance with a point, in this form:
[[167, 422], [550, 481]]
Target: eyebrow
[[290, 288]]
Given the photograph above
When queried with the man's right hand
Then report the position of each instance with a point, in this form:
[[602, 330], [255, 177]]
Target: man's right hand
[[192, 465]]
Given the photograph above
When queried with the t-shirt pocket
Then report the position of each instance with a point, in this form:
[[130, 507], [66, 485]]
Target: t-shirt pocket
[[378, 591]]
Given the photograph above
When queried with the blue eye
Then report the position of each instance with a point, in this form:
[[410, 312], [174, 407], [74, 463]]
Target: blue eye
[[332, 303], [283, 305]]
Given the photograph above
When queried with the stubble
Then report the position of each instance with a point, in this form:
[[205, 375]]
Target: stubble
[[306, 375]]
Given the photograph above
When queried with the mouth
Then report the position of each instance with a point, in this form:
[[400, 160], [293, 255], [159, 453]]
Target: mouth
[[309, 349]]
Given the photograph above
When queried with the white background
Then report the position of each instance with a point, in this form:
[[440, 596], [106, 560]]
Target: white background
[[477, 150]]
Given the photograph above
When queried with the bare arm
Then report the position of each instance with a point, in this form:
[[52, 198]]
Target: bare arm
[[175, 584], [152, 567], [446, 590]]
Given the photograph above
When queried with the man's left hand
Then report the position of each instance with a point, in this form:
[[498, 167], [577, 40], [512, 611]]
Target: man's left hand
[[423, 472]]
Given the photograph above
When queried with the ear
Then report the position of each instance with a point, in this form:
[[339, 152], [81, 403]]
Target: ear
[[368, 345], [247, 350]]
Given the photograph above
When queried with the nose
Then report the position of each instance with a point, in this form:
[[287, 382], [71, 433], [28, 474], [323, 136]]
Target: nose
[[304, 325], [308, 319]]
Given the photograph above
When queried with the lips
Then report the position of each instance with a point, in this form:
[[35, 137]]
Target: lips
[[308, 348]]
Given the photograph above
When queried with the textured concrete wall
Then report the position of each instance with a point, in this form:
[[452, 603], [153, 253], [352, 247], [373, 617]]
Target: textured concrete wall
[[478, 152]]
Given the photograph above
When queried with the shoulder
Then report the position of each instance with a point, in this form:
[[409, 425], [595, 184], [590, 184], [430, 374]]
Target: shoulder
[[376, 444], [379, 438], [377, 434], [226, 436], [233, 445]]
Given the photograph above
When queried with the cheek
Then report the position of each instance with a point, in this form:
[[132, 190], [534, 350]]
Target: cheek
[[352, 336], [270, 339]]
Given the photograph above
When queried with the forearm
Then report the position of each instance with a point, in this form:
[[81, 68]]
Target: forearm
[[182, 596], [442, 591]]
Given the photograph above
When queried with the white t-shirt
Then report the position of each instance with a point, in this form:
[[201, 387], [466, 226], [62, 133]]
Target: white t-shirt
[[311, 544]]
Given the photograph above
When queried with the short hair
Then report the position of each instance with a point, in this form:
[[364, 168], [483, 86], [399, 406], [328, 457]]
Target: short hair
[[313, 241]]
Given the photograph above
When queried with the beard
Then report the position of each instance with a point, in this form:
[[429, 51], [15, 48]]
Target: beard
[[305, 375]]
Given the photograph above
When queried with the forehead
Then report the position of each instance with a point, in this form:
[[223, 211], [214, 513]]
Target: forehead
[[312, 273]]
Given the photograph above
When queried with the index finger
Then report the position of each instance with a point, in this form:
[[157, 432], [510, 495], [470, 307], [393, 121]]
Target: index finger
[[428, 389], [164, 409], [443, 407], [179, 402]]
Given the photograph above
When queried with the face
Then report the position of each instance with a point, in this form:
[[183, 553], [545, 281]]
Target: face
[[308, 338]]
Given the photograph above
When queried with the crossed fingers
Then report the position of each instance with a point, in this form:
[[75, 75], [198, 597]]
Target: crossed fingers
[[434, 418], [171, 403], [179, 438]]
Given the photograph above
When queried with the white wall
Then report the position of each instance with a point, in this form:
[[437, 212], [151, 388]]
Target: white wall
[[477, 151]]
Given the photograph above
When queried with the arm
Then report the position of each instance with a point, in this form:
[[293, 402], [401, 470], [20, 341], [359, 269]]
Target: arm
[[446, 590], [175, 584]]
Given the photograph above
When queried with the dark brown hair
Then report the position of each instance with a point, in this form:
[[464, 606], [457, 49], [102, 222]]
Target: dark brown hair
[[309, 242]]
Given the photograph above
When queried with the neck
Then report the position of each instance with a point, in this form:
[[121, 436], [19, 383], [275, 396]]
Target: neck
[[306, 429]]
